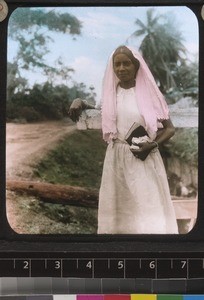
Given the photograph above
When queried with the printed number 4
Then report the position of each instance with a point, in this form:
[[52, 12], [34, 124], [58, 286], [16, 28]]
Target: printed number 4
[[89, 265]]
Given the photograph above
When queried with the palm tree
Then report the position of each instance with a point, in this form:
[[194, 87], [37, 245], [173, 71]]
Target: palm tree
[[161, 47]]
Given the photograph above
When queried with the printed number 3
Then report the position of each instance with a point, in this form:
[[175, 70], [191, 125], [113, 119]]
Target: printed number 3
[[57, 264]]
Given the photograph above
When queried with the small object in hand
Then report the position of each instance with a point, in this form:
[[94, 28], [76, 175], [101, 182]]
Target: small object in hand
[[134, 147], [142, 139]]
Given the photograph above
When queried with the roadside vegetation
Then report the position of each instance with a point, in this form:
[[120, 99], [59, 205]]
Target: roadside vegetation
[[78, 158]]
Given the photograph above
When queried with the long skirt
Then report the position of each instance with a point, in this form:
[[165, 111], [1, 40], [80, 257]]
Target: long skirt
[[134, 195]]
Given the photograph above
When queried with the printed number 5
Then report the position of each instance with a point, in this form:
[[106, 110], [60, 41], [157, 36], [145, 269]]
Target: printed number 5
[[120, 264]]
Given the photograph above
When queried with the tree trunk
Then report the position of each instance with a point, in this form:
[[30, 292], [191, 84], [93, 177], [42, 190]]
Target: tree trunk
[[56, 193]]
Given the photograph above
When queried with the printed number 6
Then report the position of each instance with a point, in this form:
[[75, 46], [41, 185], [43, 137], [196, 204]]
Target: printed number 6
[[152, 264]]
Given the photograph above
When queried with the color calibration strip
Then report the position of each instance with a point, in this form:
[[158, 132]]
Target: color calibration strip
[[86, 286], [105, 297]]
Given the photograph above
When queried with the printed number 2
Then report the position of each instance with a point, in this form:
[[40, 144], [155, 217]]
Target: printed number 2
[[25, 264]]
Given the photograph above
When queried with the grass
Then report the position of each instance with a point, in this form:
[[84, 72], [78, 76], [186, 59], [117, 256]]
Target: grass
[[77, 160]]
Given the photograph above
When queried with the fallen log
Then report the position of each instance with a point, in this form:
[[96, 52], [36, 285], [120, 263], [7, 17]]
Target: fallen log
[[56, 193]]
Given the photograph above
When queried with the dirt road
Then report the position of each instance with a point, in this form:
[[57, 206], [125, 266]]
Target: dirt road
[[26, 144]]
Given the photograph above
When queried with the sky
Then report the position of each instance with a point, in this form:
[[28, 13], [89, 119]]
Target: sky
[[104, 29]]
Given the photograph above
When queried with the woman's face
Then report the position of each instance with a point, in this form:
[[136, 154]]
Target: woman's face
[[124, 68]]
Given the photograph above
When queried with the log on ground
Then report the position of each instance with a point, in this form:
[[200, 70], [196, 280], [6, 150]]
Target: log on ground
[[56, 193]]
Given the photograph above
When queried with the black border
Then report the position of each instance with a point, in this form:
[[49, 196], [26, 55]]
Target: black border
[[11, 241]]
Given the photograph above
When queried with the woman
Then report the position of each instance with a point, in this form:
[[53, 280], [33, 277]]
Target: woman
[[134, 196]]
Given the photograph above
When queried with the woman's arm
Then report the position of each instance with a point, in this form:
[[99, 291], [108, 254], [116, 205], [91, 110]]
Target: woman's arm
[[166, 132], [76, 108]]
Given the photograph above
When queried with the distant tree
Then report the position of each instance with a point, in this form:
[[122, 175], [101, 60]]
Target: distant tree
[[15, 82], [79, 90], [45, 101], [31, 29], [186, 75], [161, 47], [59, 73]]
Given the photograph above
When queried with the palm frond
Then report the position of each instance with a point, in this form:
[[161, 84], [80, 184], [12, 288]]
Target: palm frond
[[140, 23], [139, 32]]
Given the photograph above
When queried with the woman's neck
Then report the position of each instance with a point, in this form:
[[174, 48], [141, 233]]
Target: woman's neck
[[127, 85]]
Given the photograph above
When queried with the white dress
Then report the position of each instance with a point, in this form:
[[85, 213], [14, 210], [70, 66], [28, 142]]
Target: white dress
[[134, 195]]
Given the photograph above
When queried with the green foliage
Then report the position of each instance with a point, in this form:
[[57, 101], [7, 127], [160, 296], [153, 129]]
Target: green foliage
[[44, 101], [32, 30], [27, 26], [77, 160], [184, 145], [186, 77], [15, 82], [26, 18], [65, 219], [162, 48]]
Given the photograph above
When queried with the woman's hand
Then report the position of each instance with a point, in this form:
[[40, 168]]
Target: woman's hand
[[163, 135], [76, 109], [143, 150]]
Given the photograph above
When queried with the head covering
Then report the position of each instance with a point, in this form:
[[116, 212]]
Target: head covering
[[151, 103]]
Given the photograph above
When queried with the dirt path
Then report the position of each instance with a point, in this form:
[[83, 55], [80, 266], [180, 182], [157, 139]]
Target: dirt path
[[26, 144]]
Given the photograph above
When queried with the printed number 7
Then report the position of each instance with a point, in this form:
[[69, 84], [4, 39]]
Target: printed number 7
[[183, 264]]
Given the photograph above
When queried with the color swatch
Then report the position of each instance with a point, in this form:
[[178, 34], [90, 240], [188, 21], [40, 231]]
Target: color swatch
[[106, 297]]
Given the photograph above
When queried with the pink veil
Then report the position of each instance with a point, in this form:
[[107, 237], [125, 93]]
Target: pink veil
[[150, 101]]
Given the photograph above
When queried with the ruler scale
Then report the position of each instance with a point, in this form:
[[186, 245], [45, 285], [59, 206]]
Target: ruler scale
[[97, 273], [153, 268]]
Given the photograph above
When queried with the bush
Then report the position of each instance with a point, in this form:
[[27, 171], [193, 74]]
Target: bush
[[184, 145], [30, 114], [43, 101]]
